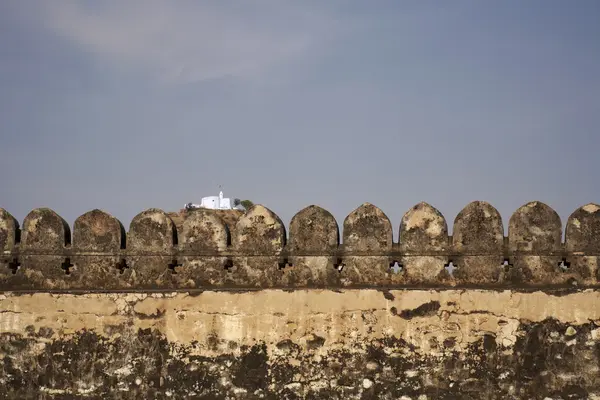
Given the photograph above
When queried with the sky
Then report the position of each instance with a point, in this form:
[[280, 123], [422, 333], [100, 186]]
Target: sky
[[127, 105]]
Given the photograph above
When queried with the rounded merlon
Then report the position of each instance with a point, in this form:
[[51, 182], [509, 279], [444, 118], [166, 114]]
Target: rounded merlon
[[313, 229], [98, 231], [44, 229], [151, 230], [367, 228], [423, 228], [534, 227], [582, 232], [259, 231], [9, 228], [478, 227], [203, 230]]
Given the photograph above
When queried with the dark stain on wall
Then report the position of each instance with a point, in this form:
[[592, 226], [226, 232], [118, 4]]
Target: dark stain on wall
[[549, 359], [423, 310]]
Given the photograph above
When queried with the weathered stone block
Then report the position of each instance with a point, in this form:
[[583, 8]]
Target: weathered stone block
[[98, 237], [423, 232], [98, 232], [314, 231], [150, 244], [9, 231], [259, 239], [478, 239], [582, 233], [259, 232], [582, 237], [367, 229], [535, 228], [203, 232], [9, 228], [44, 238], [45, 231]]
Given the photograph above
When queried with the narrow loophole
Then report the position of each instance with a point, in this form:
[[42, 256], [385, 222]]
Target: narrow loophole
[[339, 265], [14, 265], [284, 264], [173, 266], [506, 265], [564, 265], [228, 265], [122, 266], [450, 267], [66, 266], [396, 267]]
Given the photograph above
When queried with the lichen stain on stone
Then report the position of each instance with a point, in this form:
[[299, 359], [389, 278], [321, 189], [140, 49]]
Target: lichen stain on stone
[[591, 208], [99, 227], [422, 217], [33, 223], [158, 218]]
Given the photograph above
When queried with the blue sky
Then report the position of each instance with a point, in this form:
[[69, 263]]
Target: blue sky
[[126, 105]]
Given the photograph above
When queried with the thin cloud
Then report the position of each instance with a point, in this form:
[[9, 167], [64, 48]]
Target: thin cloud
[[189, 41]]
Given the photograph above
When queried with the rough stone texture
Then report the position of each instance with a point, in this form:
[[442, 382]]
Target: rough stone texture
[[582, 236], [257, 255], [583, 229], [478, 233], [8, 231], [260, 236], [46, 234], [312, 230], [203, 231], [292, 342], [45, 231], [151, 240], [259, 231], [229, 217], [367, 229], [536, 228], [423, 231], [315, 344], [98, 232]]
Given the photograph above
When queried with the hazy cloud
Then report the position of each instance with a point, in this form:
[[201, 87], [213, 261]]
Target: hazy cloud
[[187, 41]]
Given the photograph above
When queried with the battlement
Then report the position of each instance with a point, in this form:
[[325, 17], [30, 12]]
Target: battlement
[[207, 307], [97, 254]]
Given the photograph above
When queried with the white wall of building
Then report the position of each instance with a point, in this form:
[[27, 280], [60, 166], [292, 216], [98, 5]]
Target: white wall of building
[[215, 203]]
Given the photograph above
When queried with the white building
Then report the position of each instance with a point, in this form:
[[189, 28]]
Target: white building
[[217, 203]]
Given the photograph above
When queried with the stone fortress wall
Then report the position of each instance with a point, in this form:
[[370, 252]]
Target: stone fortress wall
[[215, 312]]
